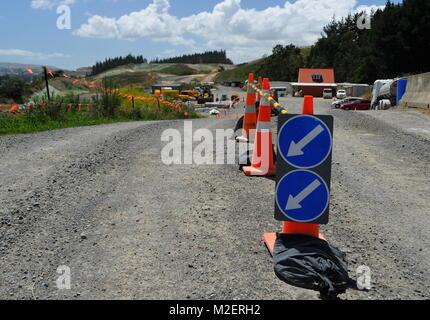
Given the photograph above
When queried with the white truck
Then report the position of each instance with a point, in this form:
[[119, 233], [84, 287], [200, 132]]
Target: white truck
[[328, 93], [382, 90]]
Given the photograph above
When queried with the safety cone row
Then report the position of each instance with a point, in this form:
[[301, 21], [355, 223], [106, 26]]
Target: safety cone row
[[262, 163], [250, 118]]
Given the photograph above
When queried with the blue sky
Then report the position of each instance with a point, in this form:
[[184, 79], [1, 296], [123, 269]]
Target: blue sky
[[247, 29]]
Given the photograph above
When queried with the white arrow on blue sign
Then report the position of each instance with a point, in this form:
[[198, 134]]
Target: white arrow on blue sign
[[302, 196], [305, 141]]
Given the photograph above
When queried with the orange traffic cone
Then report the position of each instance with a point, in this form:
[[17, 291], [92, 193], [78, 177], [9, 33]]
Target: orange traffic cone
[[250, 118], [262, 163], [308, 105], [296, 227]]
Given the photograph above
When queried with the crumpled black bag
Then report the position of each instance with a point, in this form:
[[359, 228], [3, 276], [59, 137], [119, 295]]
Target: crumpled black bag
[[311, 263]]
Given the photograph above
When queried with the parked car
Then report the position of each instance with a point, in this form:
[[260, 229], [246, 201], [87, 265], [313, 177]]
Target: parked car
[[327, 93], [341, 94], [361, 104], [338, 103]]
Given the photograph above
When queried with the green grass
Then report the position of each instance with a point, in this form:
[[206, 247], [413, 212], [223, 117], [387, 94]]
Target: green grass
[[178, 70], [59, 116], [240, 73], [11, 124]]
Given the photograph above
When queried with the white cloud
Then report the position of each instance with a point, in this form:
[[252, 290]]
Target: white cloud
[[368, 9], [245, 33], [49, 4], [30, 54]]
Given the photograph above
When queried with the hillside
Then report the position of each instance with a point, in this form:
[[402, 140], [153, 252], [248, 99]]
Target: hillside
[[7, 68], [240, 73]]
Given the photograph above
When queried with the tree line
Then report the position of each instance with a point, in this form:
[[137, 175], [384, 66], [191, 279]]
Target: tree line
[[111, 63], [397, 44], [198, 58]]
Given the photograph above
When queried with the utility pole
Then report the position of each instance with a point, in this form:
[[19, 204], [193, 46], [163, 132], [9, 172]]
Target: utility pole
[[45, 71]]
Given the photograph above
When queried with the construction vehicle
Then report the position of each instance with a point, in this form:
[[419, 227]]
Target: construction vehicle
[[205, 95], [170, 94], [187, 95], [235, 97]]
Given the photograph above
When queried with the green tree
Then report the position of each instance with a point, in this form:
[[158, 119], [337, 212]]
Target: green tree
[[283, 64], [13, 88]]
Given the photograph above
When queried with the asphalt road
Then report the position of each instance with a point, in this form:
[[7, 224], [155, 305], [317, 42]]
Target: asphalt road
[[100, 201]]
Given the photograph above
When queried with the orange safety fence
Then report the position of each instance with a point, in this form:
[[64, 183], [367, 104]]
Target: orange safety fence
[[176, 106]]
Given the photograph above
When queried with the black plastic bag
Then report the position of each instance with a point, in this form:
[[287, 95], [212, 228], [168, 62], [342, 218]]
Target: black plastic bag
[[311, 263]]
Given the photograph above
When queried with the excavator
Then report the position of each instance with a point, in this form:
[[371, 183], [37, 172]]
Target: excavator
[[205, 95]]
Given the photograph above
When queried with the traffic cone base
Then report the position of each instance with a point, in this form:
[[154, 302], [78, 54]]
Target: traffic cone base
[[251, 171], [262, 161], [269, 239]]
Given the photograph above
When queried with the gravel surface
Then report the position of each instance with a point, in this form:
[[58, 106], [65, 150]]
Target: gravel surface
[[100, 201]]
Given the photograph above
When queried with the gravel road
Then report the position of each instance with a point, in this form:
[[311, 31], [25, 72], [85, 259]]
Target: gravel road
[[100, 201]]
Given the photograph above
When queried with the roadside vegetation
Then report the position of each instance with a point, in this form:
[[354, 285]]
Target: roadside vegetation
[[73, 111], [13, 89]]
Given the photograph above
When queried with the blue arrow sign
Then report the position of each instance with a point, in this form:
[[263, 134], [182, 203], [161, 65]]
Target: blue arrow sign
[[305, 141], [302, 196]]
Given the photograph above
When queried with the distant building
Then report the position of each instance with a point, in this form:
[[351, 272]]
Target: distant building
[[313, 81], [355, 89]]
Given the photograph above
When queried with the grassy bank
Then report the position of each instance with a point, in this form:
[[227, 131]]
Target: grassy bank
[[11, 124]]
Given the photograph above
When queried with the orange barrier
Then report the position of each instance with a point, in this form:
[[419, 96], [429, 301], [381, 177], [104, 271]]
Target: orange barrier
[[262, 163], [14, 107], [250, 118], [296, 227], [308, 105]]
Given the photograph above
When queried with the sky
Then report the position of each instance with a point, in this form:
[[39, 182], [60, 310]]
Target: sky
[[246, 29]]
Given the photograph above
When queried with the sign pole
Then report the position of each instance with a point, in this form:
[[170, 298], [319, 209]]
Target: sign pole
[[45, 71]]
